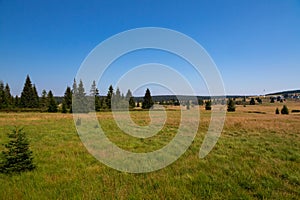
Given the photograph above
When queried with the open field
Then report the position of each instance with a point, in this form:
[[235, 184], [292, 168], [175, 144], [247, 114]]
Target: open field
[[256, 157]]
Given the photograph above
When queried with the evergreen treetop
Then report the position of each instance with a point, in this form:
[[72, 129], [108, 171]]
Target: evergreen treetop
[[17, 155], [147, 100]]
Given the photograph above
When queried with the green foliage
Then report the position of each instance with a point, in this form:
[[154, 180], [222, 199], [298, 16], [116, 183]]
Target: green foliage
[[6, 100], [131, 102], [29, 97], [117, 102], [255, 160], [80, 102], [109, 96], [147, 100], [277, 111], [200, 102], [208, 105], [231, 106], [252, 101], [285, 110], [128, 95], [68, 98], [44, 100], [52, 106], [17, 156], [272, 100], [94, 93], [64, 107]]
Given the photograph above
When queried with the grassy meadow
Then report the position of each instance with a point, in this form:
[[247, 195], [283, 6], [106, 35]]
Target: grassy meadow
[[256, 157]]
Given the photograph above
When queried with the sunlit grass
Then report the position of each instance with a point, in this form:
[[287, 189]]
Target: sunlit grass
[[256, 157]]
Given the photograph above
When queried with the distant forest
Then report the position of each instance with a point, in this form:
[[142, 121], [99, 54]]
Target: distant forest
[[29, 100]]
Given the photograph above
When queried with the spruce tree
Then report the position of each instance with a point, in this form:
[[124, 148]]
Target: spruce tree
[[93, 90], [285, 110], [252, 101], [35, 97], [94, 93], [231, 106], [128, 95], [116, 99], [68, 97], [147, 100], [80, 104], [52, 106], [74, 87], [17, 101], [109, 96], [277, 111], [64, 107], [131, 102], [208, 105], [28, 95], [44, 101], [8, 99], [2, 95], [17, 155]]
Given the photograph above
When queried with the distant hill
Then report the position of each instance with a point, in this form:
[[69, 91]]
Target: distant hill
[[284, 92]]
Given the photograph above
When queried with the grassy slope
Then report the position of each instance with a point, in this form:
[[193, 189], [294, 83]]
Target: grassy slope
[[257, 156]]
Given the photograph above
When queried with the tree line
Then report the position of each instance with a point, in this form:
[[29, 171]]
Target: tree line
[[75, 96]]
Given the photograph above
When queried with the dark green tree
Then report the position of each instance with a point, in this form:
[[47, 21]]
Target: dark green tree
[[231, 105], [8, 99], [200, 102], [285, 110], [44, 101], [147, 100], [80, 102], [28, 95], [259, 100], [17, 101], [17, 155], [94, 93], [35, 97], [109, 96], [128, 95], [272, 100], [52, 106], [64, 107], [97, 101], [68, 98], [277, 111], [208, 105], [2, 95], [74, 87], [117, 100], [252, 101], [131, 102]]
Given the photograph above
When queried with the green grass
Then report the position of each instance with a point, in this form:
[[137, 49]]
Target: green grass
[[256, 157]]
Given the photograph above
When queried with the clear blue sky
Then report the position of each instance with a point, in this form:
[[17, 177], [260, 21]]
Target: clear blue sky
[[254, 43]]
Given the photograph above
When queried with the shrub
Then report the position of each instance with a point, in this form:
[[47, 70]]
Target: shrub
[[252, 101], [277, 111], [285, 110], [16, 156], [231, 106], [208, 105]]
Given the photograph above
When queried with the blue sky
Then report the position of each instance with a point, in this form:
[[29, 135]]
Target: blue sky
[[255, 44]]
